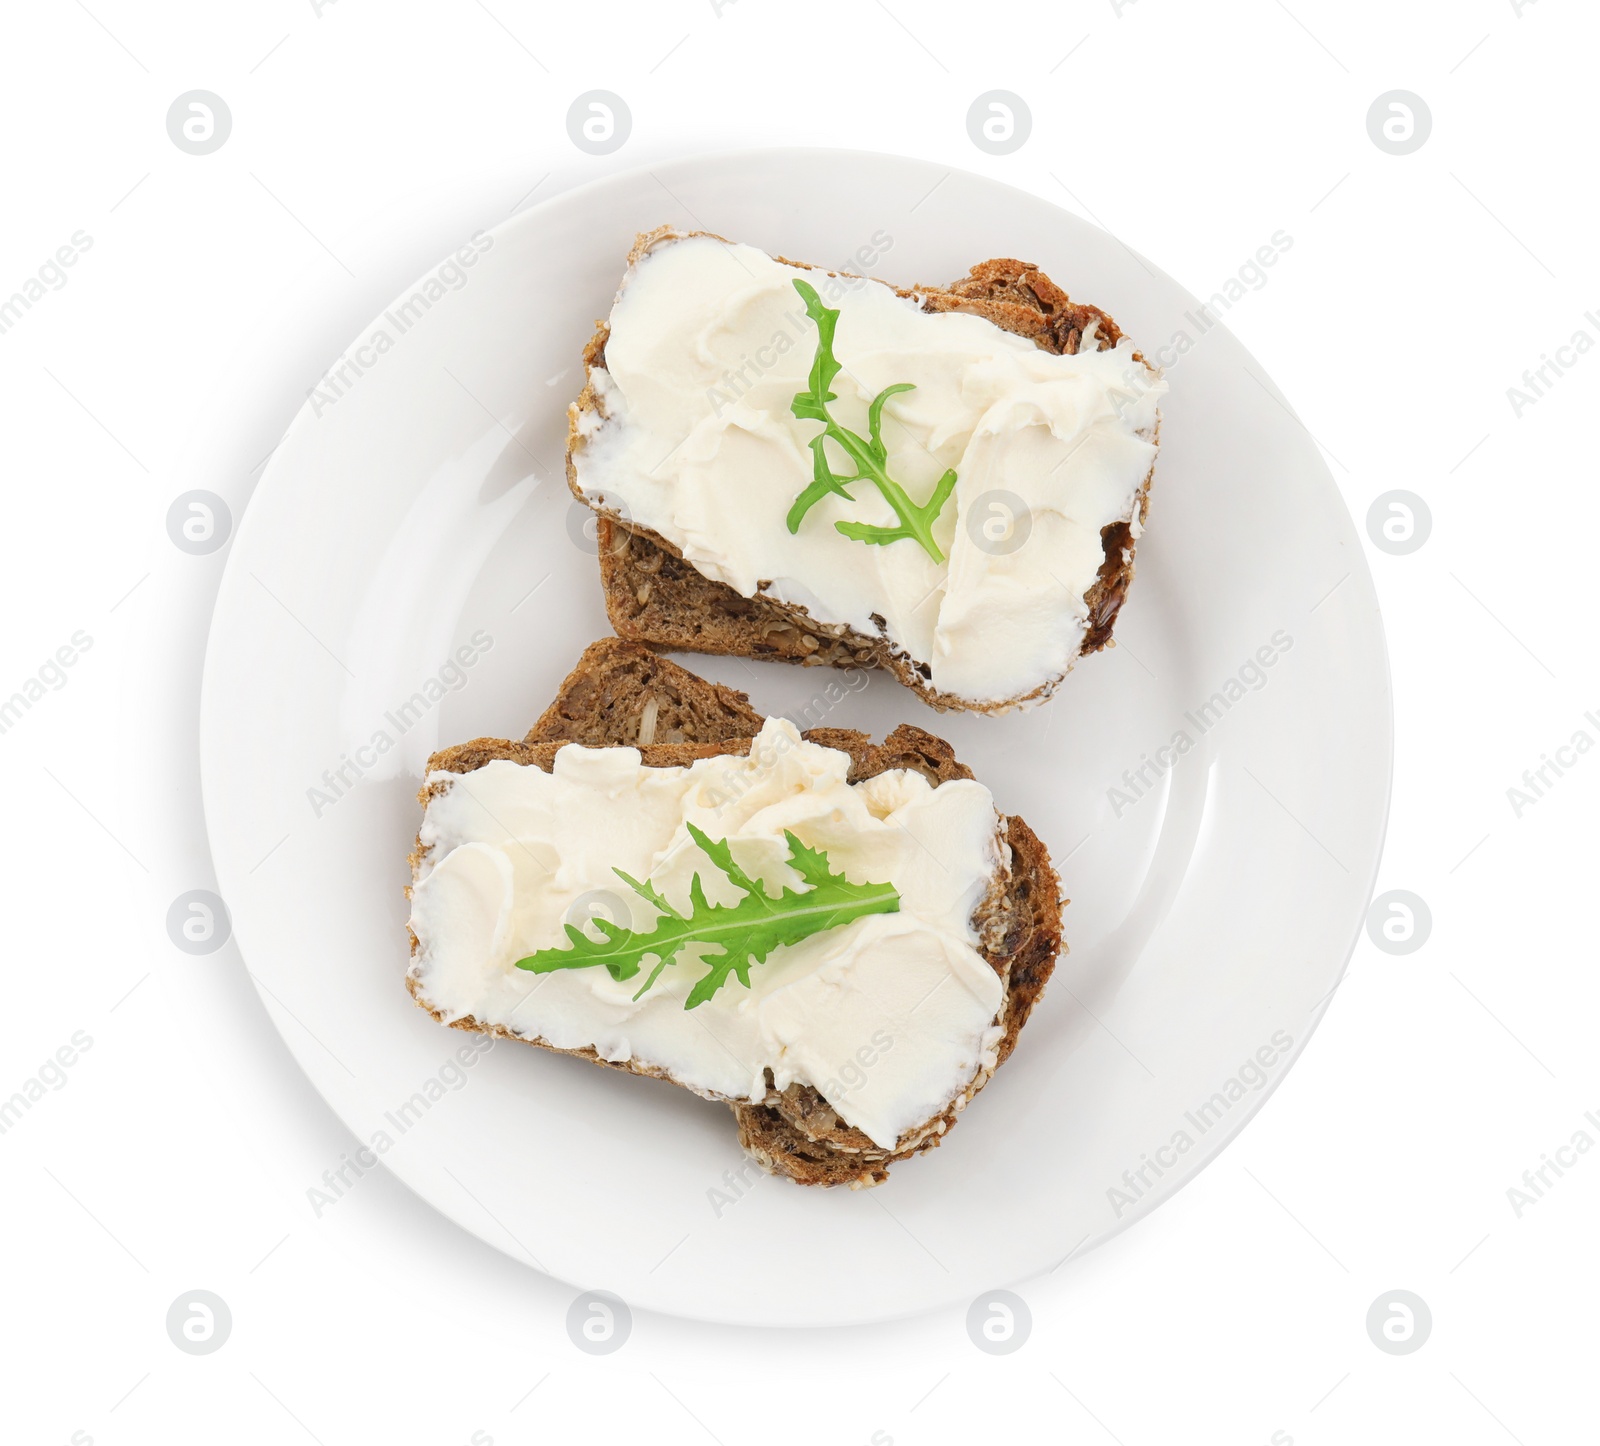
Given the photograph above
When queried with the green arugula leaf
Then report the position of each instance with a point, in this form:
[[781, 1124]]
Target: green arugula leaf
[[870, 454], [814, 403], [744, 933], [823, 482]]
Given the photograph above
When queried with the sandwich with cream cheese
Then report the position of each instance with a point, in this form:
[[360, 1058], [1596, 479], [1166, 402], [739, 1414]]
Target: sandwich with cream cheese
[[791, 463], [545, 869]]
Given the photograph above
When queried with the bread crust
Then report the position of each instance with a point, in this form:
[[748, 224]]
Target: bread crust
[[654, 596], [792, 1132]]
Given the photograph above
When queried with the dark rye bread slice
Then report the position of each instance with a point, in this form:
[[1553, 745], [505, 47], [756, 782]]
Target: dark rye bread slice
[[792, 1132], [653, 595]]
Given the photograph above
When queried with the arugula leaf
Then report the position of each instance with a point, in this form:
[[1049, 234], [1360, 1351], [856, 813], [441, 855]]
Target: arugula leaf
[[745, 933], [814, 404], [870, 454]]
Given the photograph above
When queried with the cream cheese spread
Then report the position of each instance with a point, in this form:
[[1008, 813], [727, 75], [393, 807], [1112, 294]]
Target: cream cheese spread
[[694, 438], [890, 1017]]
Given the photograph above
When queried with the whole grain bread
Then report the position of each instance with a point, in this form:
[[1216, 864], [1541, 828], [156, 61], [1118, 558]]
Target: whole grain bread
[[654, 596], [793, 1132]]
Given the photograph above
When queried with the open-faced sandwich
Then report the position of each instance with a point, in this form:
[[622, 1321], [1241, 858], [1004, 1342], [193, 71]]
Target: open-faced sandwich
[[839, 939], [791, 463]]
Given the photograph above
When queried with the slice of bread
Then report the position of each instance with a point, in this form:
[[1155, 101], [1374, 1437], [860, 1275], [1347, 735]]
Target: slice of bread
[[653, 595], [793, 1132]]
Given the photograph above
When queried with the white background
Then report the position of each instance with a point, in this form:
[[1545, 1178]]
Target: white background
[[178, 1151]]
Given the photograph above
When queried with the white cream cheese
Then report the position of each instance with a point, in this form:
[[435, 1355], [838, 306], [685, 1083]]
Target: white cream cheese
[[709, 344], [890, 1016]]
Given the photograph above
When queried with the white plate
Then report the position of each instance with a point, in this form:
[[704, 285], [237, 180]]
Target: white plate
[[1211, 916]]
